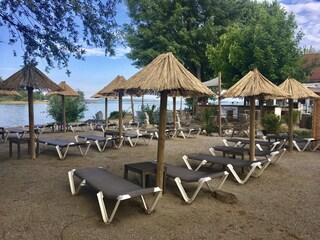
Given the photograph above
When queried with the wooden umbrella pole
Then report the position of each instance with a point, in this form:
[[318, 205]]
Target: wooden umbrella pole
[[63, 113], [252, 128], [161, 140], [31, 124], [219, 103], [132, 108], [290, 125], [181, 105], [120, 113], [106, 111], [174, 111]]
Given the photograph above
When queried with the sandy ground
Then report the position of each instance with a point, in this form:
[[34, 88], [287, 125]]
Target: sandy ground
[[283, 203]]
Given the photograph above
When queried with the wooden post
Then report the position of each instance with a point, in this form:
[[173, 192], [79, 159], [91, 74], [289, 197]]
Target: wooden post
[[252, 127], [174, 112], [219, 103], [316, 120], [31, 124], [181, 104], [63, 114], [106, 111], [132, 107], [290, 135], [161, 140], [120, 113]]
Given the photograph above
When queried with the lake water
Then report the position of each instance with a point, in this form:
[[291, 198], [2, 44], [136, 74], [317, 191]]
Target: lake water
[[12, 115]]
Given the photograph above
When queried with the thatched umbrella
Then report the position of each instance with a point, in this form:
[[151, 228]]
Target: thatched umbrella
[[97, 95], [254, 85], [116, 83], [30, 78], [66, 91], [167, 76], [297, 91], [7, 92]]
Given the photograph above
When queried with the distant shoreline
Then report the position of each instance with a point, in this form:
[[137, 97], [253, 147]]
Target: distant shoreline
[[23, 102]]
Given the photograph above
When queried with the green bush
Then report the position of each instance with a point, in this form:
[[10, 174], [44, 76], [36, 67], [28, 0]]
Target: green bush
[[209, 126], [296, 116], [75, 108], [115, 114], [271, 123]]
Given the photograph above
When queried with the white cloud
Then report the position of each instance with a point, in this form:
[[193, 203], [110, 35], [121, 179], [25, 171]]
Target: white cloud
[[308, 19], [120, 51]]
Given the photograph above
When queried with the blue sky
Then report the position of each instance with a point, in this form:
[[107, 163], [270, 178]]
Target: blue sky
[[98, 70]]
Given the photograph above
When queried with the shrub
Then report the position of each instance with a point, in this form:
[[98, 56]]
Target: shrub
[[271, 123], [208, 123], [115, 114], [150, 111], [75, 108]]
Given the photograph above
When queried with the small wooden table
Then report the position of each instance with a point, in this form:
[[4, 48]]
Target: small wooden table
[[144, 169], [18, 141]]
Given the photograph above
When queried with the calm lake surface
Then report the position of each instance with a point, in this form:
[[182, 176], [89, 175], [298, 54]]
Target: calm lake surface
[[13, 115]]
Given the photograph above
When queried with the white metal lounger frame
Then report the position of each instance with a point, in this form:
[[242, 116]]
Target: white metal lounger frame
[[199, 186], [230, 167], [63, 155], [82, 126], [139, 135], [301, 149], [101, 149], [108, 219], [317, 146], [191, 131]]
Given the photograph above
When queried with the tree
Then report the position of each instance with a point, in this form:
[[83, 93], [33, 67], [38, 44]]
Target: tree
[[268, 42], [75, 108], [55, 30], [183, 27]]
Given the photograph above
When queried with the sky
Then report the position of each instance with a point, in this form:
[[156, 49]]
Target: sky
[[97, 70]]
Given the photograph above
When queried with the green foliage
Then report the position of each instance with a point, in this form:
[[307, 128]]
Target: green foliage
[[181, 27], [75, 108], [53, 31], [271, 123], [115, 114], [296, 115], [37, 96], [209, 125], [268, 41], [150, 111], [302, 133]]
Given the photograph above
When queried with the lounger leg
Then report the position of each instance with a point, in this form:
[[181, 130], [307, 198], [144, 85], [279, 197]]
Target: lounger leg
[[186, 161], [234, 173], [103, 208], [274, 159], [316, 147], [73, 189], [98, 145], [183, 192], [60, 153], [296, 145], [222, 180], [158, 192]]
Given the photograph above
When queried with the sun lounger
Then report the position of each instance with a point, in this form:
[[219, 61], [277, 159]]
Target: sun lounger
[[60, 144], [110, 186], [273, 156], [99, 139], [188, 132], [302, 144], [239, 142], [73, 126], [230, 163], [129, 136], [180, 174]]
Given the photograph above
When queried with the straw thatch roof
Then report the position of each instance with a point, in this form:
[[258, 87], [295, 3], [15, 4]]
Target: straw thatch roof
[[66, 90], [97, 95], [166, 73], [297, 90], [116, 83], [30, 77], [254, 84], [6, 92]]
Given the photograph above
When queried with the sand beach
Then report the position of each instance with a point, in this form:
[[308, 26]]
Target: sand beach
[[283, 203]]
